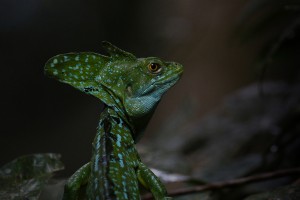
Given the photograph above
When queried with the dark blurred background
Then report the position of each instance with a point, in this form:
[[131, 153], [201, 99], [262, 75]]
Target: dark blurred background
[[223, 45]]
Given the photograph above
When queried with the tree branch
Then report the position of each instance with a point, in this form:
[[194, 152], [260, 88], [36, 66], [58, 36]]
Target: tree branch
[[229, 183]]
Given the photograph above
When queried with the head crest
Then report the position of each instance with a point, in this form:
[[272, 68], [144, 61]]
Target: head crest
[[115, 52]]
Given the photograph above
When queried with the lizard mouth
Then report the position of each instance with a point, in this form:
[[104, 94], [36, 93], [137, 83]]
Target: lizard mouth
[[170, 81], [161, 86]]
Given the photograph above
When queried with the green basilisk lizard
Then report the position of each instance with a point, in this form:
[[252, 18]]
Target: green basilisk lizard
[[130, 88]]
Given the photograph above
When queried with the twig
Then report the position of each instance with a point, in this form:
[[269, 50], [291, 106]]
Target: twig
[[229, 183]]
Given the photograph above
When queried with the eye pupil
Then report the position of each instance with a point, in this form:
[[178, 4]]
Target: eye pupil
[[154, 67]]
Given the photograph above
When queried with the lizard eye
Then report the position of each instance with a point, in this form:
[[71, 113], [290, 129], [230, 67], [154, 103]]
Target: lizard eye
[[154, 68]]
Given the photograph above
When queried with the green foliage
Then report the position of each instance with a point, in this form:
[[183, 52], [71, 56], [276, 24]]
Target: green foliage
[[25, 177]]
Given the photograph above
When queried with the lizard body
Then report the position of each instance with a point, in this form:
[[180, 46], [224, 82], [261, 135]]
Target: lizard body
[[130, 88]]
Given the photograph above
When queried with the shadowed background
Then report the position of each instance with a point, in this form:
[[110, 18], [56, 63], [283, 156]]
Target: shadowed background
[[39, 114]]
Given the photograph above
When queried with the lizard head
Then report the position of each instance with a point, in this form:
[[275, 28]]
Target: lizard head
[[146, 82], [132, 85]]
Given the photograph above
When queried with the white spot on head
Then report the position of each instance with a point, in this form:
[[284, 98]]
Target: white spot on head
[[66, 58], [55, 61]]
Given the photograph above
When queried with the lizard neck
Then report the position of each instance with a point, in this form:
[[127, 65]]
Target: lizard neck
[[116, 112], [111, 119], [136, 125]]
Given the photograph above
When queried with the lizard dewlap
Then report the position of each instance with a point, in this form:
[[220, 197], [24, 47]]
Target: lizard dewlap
[[130, 88]]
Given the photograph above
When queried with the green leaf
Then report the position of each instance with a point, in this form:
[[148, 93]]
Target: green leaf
[[24, 177]]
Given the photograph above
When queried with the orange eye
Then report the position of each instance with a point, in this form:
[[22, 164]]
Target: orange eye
[[154, 68]]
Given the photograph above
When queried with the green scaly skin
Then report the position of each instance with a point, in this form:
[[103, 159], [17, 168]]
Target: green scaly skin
[[130, 88]]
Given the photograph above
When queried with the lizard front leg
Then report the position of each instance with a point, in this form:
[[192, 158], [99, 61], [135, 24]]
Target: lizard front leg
[[76, 181], [151, 182]]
